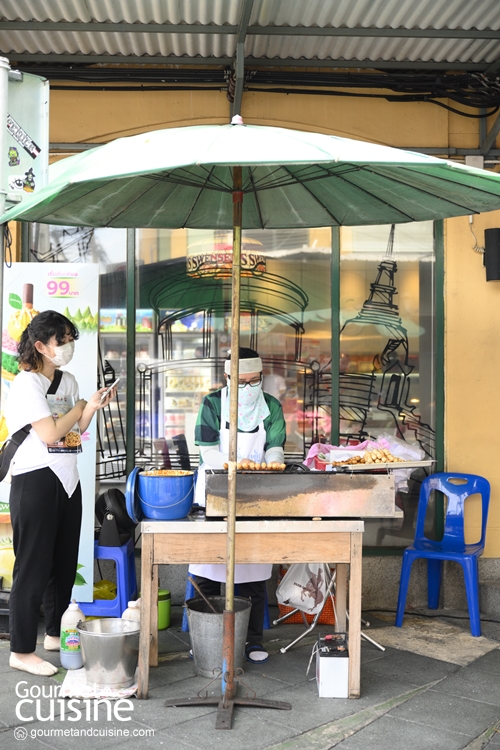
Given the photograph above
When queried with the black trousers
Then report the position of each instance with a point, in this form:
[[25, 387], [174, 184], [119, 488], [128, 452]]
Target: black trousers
[[254, 590], [46, 524]]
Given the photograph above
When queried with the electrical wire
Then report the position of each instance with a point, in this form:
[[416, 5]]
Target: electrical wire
[[423, 614], [476, 247], [430, 100], [477, 91]]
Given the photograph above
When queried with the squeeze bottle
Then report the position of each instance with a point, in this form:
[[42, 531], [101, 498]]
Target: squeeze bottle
[[71, 652], [133, 611]]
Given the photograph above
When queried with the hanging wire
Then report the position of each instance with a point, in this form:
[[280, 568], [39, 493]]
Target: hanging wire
[[476, 247], [7, 240]]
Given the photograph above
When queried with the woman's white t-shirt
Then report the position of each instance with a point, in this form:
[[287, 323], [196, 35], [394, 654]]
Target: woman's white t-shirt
[[26, 404]]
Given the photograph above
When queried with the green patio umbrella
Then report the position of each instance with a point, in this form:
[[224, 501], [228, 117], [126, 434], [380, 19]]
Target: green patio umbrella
[[244, 177], [182, 177]]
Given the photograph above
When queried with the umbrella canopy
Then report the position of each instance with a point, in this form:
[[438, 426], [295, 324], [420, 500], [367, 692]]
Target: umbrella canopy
[[182, 177]]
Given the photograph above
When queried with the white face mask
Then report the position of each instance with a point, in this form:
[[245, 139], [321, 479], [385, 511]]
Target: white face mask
[[63, 354]]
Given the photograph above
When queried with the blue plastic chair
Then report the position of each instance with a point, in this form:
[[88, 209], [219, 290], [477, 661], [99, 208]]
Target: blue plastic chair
[[452, 546], [191, 593]]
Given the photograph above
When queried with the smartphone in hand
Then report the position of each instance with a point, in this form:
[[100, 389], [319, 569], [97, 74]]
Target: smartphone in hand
[[103, 396]]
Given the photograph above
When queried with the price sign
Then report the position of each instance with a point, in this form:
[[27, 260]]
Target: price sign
[[63, 287]]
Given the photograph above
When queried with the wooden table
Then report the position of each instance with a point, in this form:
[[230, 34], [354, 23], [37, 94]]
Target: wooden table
[[276, 541]]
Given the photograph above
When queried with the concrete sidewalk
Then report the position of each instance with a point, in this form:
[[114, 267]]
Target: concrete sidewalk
[[434, 686]]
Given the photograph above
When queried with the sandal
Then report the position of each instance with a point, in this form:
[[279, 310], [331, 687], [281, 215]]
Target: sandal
[[256, 653]]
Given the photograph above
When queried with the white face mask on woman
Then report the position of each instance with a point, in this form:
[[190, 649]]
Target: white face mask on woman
[[63, 354]]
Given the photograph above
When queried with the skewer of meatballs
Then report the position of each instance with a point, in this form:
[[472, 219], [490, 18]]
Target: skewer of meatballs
[[247, 465]]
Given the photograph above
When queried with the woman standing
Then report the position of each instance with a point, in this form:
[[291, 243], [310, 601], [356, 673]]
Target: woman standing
[[45, 496]]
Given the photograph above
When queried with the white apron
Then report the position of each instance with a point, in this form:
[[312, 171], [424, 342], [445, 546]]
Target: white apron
[[251, 446]]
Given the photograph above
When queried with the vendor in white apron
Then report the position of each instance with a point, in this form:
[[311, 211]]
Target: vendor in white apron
[[261, 437]]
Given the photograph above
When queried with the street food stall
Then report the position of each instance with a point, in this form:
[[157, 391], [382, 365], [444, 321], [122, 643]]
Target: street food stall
[[291, 515]]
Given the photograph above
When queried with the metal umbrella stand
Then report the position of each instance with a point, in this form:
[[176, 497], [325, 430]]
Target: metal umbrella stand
[[189, 177]]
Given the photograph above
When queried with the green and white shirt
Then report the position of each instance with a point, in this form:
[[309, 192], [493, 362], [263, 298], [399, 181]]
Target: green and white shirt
[[208, 423]]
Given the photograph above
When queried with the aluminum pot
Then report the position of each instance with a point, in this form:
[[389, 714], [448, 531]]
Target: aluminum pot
[[110, 650]]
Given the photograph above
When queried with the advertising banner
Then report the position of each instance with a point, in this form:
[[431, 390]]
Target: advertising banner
[[73, 290]]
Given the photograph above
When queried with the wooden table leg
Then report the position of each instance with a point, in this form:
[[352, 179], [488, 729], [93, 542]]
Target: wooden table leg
[[341, 598], [145, 634], [153, 648], [355, 616]]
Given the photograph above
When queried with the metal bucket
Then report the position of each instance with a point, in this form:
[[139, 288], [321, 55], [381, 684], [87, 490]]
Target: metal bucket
[[110, 650], [205, 629]]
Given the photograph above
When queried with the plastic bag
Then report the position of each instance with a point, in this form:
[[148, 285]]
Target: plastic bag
[[406, 451], [304, 587], [104, 589], [401, 448]]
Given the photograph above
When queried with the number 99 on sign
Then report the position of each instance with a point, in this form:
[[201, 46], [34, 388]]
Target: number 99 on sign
[[62, 288]]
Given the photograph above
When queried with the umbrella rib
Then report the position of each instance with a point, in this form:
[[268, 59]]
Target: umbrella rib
[[448, 182], [255, 192], [375, 197], [332, 216], [176, 178], [197, 197], [39, 219], [99, 185], [129, 205]]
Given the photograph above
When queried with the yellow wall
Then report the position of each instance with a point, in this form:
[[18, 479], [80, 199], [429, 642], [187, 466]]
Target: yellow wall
[[472, 367], [472, 356]]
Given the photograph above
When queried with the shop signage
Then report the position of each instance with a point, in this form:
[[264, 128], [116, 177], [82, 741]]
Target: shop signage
[[220, 265]]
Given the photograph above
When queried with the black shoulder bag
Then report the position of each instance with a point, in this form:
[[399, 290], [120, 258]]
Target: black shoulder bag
[[10, 447]]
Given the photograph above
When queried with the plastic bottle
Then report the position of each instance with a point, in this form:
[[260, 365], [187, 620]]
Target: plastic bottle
[[71, 652], [133, 611]]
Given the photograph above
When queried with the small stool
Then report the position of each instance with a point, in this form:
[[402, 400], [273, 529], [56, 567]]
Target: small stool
[[191, 593], [126, 583]]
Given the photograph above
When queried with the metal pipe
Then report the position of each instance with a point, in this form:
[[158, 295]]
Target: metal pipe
[[130, 395], [4, 88]]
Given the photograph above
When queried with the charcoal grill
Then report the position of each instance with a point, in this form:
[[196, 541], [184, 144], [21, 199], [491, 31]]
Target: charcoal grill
[[273, 494]]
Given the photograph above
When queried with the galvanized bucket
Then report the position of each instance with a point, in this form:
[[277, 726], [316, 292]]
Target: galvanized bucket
[[205, 629], [110, 650]]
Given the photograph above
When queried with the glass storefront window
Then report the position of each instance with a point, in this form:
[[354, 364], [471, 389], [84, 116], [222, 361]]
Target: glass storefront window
[[285, 315], [183, 288], [387, 350]]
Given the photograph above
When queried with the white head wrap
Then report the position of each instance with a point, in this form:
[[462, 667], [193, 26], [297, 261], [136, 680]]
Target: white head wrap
[[246, 366]]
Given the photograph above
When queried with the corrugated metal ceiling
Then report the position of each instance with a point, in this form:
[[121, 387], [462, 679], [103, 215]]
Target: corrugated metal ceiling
[[349, 32]]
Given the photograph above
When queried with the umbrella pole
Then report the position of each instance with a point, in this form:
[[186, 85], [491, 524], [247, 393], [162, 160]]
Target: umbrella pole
[[228, 683], [228, 700]]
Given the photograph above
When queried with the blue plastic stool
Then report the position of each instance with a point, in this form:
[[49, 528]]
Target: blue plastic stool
[[126, 583], [191, 593], [452, 546]]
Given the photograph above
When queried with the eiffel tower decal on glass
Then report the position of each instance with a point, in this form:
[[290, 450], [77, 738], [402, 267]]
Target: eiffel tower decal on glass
[[386, 387]]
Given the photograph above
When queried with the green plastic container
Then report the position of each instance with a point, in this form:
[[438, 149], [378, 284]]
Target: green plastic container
[[163, 609]]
